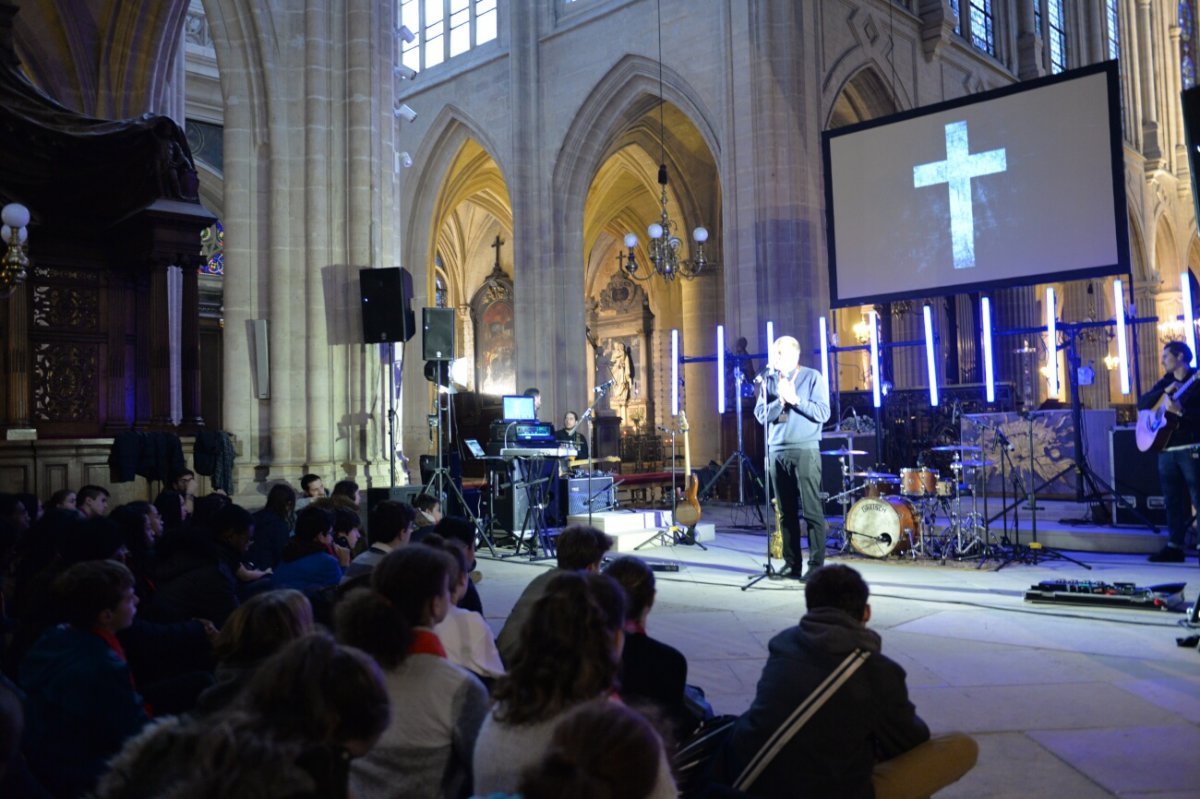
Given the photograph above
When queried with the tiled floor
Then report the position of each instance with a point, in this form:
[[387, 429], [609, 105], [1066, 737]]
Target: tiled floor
[[1065, 701]]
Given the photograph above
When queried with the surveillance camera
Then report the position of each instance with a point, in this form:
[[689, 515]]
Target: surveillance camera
[[403, 111], [404, 72], [405, 160], [406, 34]]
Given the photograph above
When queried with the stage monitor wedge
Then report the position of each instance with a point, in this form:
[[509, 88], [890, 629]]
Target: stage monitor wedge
[[1017, 186]]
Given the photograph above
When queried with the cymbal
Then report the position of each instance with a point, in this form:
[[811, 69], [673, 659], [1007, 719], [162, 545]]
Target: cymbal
[[843, 451], [956, 448], [844, 434], [973, 464], [875, 475]]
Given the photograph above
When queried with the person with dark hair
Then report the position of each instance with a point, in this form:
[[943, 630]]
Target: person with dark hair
[[63, 498], [15, 514], [391, 527], [1178, 471], [569, 654], [294, 732], [868, 740], [307, 563], [92, 500], [428, 513], [81, 698], [311, 487], [262, 626], [569, 435], [651, 671], [197, 568], [579, 548], [438, 706], [347, 489], [600, 750], [272, 527], [184, 483], [346, 532], [537, 399], [172, 509], [464, 634], [462, 532], [33, 505]]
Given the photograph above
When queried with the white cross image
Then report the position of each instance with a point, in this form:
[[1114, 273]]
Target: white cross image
[[957, 170]]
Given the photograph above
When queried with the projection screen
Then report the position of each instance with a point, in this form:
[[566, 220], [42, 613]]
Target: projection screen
[[1015, 186]]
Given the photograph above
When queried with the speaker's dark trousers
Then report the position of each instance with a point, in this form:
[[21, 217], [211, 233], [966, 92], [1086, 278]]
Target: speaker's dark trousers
[[797, 482]]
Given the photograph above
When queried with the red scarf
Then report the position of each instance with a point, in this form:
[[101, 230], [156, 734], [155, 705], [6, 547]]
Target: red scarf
[[110, 638], [426, 642]]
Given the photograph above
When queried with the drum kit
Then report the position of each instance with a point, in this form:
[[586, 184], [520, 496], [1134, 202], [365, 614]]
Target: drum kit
[[897, 514]]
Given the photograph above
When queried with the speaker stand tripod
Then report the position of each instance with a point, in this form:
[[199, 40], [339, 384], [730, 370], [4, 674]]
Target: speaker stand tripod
[[441, 482]]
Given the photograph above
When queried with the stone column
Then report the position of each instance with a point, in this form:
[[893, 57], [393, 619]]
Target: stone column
[[1151, 145], [698, 337], [1029, 43]]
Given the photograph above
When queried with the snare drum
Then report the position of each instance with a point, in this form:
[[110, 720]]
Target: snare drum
[[879, 527], [918, 482]]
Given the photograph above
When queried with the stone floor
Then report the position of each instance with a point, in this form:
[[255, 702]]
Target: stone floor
[[1065, 701]]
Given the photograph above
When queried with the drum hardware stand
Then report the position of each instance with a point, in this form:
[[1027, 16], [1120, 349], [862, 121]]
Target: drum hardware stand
[[739, 456]]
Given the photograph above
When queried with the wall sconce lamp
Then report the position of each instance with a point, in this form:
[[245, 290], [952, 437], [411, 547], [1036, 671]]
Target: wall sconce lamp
[[14, 233]]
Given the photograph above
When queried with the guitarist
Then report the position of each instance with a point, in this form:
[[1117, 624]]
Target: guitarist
[[793, 401], [1178, 468]]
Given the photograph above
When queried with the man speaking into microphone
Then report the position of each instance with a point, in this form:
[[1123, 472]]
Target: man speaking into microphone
[[793, 401]]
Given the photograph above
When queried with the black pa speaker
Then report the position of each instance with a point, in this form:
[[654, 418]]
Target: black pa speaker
[[1135, 479], [437, 337], [386, 298], [1191, 134]]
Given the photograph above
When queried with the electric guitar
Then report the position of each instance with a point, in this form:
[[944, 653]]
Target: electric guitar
[[687, 513], [1155, 426]]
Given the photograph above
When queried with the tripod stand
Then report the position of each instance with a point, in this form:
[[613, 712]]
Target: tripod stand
[[441, 481], [739, 456]]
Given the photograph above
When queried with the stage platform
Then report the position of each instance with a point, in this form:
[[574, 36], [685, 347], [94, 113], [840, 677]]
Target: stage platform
[[1083, 702]]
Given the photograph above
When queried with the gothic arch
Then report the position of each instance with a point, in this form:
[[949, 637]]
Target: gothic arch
[[861, 94]]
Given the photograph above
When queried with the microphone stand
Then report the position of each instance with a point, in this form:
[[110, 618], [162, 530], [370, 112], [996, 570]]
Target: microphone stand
[[769, 484], [601, 391]]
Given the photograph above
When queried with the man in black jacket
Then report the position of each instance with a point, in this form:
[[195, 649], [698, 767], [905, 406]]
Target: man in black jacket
[[1178, 468], [867, 740]]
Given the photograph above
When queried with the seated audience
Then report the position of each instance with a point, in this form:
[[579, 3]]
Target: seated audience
[[92, 501], [391, 526], [82, 702], [265, 624], [272, 527], [311, 488], [172, 510], [580, 548], [437, 705], [868, 740], [33, 505], [601, 750], [183, 482], [62, 499], [196, 575], [651, 671], [428, 513], [462, 532], [307, 563], [569, 654], [303, 717], [347, 489], [15, 514], [464, 634], [346, 534]]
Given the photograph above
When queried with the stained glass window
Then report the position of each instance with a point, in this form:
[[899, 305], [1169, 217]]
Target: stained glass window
[[1187, 43], [443, 29], [212, 248]]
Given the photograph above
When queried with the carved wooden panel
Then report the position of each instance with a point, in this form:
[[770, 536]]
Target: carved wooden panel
[[66, 307], [65, 382]]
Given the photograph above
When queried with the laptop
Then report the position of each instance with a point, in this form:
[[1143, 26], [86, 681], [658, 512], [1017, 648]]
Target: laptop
[[476, 450]]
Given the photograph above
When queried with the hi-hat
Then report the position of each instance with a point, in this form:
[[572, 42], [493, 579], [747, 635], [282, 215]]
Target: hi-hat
[[977, 464], [956, 448], [843, 451]]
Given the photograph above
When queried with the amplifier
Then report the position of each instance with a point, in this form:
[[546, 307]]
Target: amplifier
[[1135, 478], [573, 495]]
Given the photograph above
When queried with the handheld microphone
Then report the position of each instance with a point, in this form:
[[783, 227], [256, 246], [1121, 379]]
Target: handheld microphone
[[768, 371], [600, 389]]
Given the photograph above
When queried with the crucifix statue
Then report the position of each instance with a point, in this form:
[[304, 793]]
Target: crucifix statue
[[499, 242]]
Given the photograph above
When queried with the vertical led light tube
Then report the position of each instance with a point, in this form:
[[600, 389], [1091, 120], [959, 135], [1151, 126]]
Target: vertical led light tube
[[989, 373], [721, 368], [1119, 306], [1189, 322], [1051, 344], [823, 332], [674, 371], [930, 358], [770, 340], [876, 378]]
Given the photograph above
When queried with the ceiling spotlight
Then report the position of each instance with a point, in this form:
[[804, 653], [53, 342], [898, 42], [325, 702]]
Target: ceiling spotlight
[[404, 159], [403, 111], [407, 35], [404, 72]]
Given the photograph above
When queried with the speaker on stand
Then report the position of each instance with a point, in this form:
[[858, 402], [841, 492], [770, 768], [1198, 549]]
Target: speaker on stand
[[387, 317]]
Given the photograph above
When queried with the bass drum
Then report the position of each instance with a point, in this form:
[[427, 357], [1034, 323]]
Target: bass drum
[[879, 527]]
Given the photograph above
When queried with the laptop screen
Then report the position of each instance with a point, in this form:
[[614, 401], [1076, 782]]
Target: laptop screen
[[519, 408]]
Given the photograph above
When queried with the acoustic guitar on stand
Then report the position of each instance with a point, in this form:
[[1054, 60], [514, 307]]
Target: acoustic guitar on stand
[[687, 512], [1155, 426]]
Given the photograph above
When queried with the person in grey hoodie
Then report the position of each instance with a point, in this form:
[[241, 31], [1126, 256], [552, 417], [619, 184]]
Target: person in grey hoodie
[[867, 740], [793, 401]]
